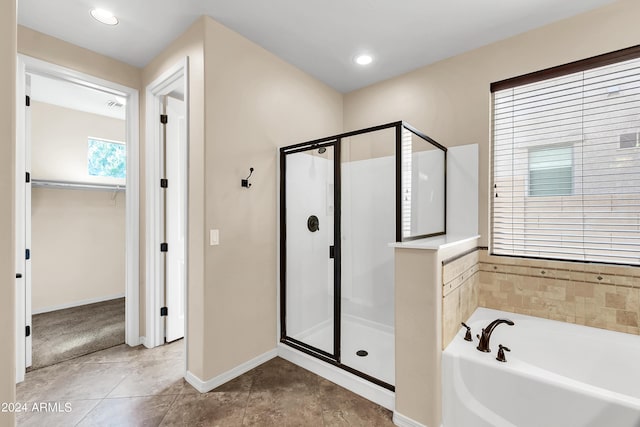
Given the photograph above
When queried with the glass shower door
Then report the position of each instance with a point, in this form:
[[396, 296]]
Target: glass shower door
[[307, 226]]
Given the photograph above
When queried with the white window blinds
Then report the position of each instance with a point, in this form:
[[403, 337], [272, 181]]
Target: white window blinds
[[566, 166]]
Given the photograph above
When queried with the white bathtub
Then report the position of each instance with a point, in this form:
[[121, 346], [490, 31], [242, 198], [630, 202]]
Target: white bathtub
[[557, 374]]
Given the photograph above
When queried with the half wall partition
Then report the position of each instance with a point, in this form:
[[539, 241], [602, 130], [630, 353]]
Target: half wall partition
[[343, 199]]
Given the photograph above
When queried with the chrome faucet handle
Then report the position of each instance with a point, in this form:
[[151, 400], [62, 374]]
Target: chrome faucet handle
[[467, 336], [501, 350]]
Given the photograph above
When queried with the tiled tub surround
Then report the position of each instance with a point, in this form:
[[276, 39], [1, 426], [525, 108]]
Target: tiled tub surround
[[599, 295], [460, 293]]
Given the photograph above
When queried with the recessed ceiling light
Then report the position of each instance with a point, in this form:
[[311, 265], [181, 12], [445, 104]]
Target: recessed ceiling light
[[363, 59], [104, 16]]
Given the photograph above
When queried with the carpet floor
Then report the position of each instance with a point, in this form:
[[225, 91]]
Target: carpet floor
[[66, 334]]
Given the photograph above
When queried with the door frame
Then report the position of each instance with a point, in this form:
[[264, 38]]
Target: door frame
[[29, 65], [155, 328], [333, 357]]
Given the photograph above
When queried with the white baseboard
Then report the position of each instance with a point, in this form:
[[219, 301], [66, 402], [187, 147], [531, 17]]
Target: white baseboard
[[76, 304], [403, 421], [364, 388], [134, 343], [205, 386]]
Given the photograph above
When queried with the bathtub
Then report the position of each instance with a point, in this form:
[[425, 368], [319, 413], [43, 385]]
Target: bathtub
[[557, 374]]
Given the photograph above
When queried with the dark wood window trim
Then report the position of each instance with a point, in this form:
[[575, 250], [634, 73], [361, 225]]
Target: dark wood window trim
[[572, 67]]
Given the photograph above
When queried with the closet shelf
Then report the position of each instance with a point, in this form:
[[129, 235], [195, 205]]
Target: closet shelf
[[43, 183]]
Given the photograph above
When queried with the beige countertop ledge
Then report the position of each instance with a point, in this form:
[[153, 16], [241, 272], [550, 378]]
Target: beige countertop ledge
[[434, 243]]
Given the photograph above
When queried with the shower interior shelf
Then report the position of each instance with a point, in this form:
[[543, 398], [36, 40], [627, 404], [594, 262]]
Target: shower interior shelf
[[42, 183]]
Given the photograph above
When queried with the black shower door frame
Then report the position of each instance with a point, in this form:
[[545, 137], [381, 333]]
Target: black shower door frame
[[335, 142], [299, 345]]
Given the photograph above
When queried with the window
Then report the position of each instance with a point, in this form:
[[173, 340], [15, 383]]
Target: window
[[107, 158], [550, 171], [563, 189], [629, 140]]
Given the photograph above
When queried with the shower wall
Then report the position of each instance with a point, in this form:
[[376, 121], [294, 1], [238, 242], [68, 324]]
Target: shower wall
[[368, 226]]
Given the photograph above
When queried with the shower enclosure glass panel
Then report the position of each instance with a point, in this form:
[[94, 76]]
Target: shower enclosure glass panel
[[368, 225], [309, 196], [423, 177], [343, 199]]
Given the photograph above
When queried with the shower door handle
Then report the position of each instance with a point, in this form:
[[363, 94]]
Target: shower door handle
[[332, 252]]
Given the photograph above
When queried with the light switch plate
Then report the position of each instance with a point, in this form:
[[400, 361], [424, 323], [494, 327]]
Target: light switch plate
[[214, 237]]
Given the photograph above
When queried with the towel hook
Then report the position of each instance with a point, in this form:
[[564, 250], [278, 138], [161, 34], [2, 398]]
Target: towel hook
[[245, 182]]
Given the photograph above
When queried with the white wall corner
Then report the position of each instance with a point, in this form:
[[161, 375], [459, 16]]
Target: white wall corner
[[404, 421], [206, 386]]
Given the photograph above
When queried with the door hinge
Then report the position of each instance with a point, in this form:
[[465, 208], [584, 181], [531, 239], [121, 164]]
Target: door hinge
[[332, 252], [27, 254], [27, 177], [164, 119], [164, 247], [164, 311], [164, 183], [28, 331], [28, 101]]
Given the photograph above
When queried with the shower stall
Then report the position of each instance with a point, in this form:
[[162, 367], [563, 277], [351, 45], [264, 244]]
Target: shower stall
[[343, 200]]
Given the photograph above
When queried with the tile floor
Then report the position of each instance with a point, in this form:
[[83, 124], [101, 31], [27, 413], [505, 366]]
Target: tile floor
[[124, 386]]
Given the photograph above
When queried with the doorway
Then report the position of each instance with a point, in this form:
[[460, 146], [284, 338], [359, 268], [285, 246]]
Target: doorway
[[49, 196], [167, 124]]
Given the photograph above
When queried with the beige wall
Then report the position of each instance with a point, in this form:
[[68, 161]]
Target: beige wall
[[7, 182], [450, 100], [256, 102], [78, 246], [56, 51], [59, 142], [190, 44], [418, 335]]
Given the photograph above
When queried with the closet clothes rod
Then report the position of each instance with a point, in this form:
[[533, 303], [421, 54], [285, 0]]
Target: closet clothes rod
[[43, 183]]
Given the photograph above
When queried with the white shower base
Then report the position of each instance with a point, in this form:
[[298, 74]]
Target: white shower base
[[360, 334]]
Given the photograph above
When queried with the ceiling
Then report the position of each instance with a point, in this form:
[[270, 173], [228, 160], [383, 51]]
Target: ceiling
[[320, 37], [77, 97]]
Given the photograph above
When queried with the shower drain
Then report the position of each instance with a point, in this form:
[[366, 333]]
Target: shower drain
[[362, 353]]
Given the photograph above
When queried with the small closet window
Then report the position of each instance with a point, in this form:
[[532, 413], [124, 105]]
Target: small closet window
[[107, 158]]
